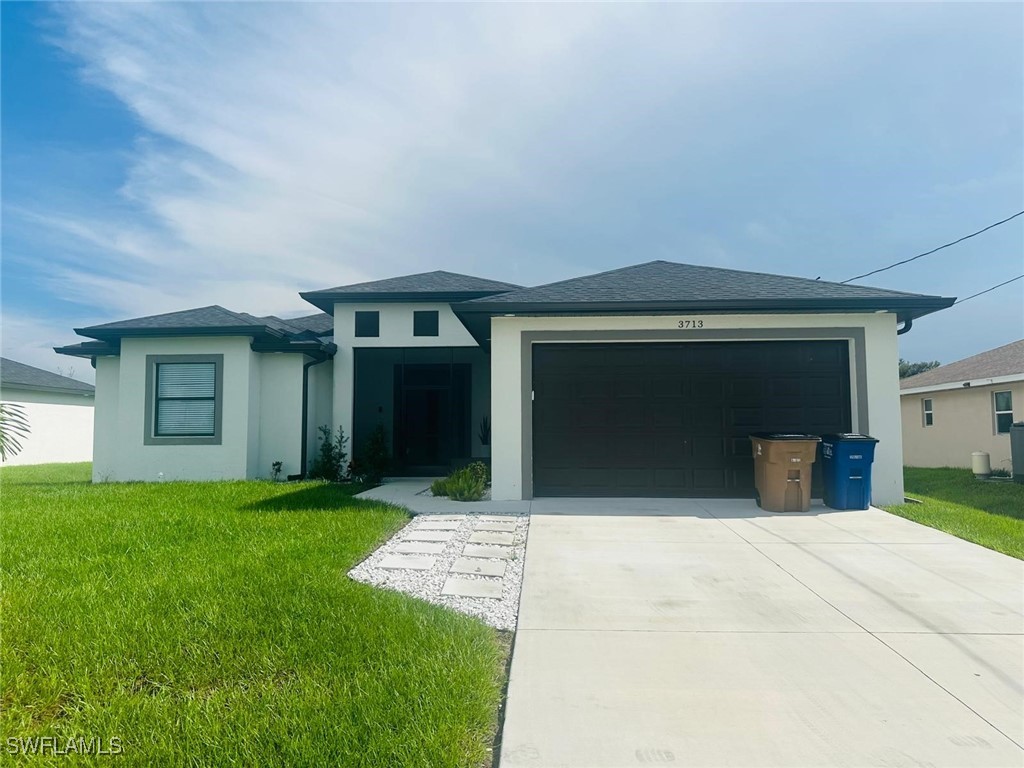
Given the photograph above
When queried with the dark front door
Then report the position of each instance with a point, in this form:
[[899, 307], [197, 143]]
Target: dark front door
[[432, 416], [674, 419], [425, 413]]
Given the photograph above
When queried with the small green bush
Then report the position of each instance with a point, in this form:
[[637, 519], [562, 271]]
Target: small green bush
[[376, 458], [480, 471], [439, 487], [329, 463], [465, 486]]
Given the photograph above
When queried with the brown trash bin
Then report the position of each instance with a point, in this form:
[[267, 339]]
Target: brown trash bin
[[782, 470]]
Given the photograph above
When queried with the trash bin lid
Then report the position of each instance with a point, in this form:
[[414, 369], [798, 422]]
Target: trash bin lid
[[783, 436], [848, 437]]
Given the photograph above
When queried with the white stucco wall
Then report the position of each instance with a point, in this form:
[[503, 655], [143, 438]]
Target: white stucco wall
[[880, 362], [61, 426], [261, 418], [279, 437], [395, 331], [963, 422]]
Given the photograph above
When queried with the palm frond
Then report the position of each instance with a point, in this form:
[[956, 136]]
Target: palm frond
[[14, 428]]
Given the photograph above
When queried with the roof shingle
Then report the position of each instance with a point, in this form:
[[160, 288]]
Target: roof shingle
[[1007, 360], [15, 374]]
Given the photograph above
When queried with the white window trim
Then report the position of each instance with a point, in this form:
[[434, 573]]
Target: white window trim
[[927, 409], [997, 413]]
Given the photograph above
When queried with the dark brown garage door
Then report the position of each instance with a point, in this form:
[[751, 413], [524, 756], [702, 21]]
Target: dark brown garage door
[[674, 419]]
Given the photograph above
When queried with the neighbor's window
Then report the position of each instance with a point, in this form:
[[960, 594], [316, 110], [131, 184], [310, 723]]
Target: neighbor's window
[[424, 323], [926, 407], [183, 395], [367, 324], [1002, 403]]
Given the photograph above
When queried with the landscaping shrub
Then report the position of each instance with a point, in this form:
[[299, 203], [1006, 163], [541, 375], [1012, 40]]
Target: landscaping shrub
[[464, 485], [439, 487], [376, 457], [329, 463], [480, 471]]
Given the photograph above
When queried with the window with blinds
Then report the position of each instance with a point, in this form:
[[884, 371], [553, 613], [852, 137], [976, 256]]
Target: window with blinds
[[186, 399]]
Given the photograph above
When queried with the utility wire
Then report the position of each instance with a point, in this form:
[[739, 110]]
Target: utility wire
[[979, 293], [933, 250]]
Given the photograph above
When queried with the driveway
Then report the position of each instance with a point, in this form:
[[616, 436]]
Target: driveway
[[710, 633]]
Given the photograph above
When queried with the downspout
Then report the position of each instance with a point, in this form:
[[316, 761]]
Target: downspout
[[305, 412], [907, 325]]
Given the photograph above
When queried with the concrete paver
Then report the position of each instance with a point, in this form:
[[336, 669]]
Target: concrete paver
[[462, 587], [438, 525], [485, 525], [478, 567], [417, 535], [410, 562], [487, 537], [419, 547], [483, 550]]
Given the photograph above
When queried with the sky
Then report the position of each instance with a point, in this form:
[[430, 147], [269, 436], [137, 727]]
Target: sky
[[162, 156]]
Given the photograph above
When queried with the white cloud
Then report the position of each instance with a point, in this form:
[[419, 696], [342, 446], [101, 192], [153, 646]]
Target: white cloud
[[289, 146]]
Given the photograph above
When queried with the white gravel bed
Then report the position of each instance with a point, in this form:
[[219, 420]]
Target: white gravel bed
[[427, 584]]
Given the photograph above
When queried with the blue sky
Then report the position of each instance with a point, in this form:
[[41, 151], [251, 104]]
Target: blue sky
[[163, 156]]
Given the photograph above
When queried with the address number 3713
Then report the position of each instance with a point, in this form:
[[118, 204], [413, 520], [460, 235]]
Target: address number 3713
[[691, 323]]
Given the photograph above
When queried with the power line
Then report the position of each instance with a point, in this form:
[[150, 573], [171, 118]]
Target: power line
[[933, 250], [979, 293]]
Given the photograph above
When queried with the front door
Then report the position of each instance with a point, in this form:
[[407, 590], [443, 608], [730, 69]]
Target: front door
[[432, 416]]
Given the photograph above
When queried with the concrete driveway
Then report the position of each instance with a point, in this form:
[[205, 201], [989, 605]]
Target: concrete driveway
[[710, 633]]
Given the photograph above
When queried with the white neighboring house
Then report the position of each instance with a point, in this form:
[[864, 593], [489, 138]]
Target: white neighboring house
[[59, 410], [641, 381], [953, 410]]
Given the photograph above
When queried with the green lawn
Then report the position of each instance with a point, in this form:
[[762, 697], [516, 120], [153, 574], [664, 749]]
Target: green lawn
[[987, 513], [213, 624]]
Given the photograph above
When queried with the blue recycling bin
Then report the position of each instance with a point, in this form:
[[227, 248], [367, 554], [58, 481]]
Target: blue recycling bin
[[846, 469]]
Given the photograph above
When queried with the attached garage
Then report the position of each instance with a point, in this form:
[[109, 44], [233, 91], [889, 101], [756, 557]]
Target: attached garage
[[673, 419], [648, 380]]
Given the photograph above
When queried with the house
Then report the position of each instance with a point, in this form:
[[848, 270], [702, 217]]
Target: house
[[953, 410], [59, 411], [641, 381]]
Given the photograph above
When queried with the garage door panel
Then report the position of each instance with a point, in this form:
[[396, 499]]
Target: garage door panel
[[673, 419]]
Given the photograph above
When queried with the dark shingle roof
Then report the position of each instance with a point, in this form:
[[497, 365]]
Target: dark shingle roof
[[426, 286], [1007, 360], [21, 376], [320, 323], [212, 317], [269, 334], [438, 281], [666, 281]]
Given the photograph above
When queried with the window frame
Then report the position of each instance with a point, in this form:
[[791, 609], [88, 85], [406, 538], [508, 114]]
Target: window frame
[[432, 317], [927, 412], [150, 437], [366, 314], [997, 413]]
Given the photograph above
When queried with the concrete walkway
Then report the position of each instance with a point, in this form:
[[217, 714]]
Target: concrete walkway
[[710, 633]]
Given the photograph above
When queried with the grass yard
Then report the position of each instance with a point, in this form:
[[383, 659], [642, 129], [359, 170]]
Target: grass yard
[[213, 624], [987, 513]]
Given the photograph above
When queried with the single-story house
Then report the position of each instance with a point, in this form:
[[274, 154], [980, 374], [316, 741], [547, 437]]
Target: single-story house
[[953, 410], [59, 411], [641, 381]]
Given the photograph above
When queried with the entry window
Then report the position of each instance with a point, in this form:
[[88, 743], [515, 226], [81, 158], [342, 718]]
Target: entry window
[[424, 323], [368, 324], [186, 400], [926, 407], [1002, 403]]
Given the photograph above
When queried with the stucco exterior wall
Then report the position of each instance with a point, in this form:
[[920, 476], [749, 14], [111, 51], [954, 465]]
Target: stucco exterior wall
[[61, 426], [963, 422], [395, 331], [279, 437], [875, 410]]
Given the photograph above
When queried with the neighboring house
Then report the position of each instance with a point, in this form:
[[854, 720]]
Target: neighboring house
[[642, 381], [59, 412], [953, 410]]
